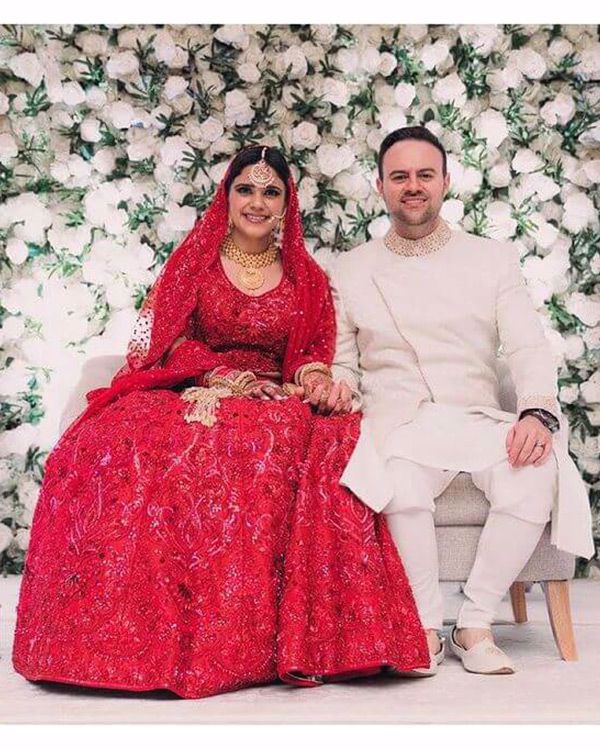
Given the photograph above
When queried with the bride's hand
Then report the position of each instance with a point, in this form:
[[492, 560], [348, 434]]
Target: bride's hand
[[327, 396], [265, 390]]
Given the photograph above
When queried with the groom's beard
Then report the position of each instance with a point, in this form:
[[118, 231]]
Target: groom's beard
[[413, 217]]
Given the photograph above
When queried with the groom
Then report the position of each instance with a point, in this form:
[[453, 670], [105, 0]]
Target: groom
[[422, 314]]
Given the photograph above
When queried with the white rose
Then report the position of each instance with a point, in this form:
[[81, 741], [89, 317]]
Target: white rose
[[173, 150], [491, 125], [118, 294], [574, 347], [530, 63], [417, 31], [294, 59], [352, 185], [558, 111], [306, 136], [579, 212], [347, 60], [569, 393], [307, 193], [369, 60], [391, 118], [433, 55], [589, 61], [95, 98], [249, 72], [6, 537], [336, 92], [333, 159], [143, 147], [180, 218], [120, 114], [12, 329], [592, 170], [8, 148], [78, 166], [165, 48], [387, 64], [502, 225], [509, 77], [453, 211], [591, 389], [585, 308], [450, 90], [28, 67], [92, 44], [73, 94], [174, 86], [182, 104], [16, 251], [72, 239], [379, 227], [212, 82], [559, 48], [211, 129], [526, 161], [404, 94], [104, 160], [540, 184], [22, 538], [238, 109], [90, 130], [545, 234], [483, 38], [122, 64], [235, 36], [4, 103], [500, 175], [35, 217], [464, 180]]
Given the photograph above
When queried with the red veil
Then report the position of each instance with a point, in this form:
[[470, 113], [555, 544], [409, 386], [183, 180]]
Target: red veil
[[173, 297]]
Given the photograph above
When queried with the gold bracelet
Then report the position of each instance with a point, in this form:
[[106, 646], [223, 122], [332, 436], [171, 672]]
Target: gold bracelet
[[309, 367], [237, 385]]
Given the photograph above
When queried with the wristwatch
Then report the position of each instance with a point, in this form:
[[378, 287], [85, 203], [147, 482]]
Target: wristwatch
[[549, 421]]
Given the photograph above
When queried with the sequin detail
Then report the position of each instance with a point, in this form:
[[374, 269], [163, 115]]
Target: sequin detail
[[202, 560], [424, 246]]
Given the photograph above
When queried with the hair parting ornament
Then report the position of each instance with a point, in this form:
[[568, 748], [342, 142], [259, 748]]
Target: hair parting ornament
[[261, 173]]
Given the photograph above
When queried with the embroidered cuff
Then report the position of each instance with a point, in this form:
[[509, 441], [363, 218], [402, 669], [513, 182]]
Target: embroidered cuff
[[538, 401]]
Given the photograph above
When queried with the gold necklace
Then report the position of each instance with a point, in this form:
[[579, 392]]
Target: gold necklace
[[423, 246], [250, 275]]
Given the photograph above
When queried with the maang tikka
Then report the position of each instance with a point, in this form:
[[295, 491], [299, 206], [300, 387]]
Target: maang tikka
[[261, 173]]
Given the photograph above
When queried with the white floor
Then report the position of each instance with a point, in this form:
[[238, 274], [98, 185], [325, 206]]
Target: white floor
[[544, 690]]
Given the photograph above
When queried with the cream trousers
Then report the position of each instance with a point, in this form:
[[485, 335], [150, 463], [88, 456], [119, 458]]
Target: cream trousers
[[520, 503]]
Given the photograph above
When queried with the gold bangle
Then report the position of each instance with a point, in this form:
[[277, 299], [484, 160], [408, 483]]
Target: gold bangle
[[309, 367]]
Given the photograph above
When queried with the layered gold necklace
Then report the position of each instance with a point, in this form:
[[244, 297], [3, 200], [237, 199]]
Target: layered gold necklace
[[250, 275]]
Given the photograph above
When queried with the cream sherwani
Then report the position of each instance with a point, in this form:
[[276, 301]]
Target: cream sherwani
[[419, 338]]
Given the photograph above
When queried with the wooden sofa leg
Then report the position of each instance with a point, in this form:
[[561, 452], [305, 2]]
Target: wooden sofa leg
[[517, 599], [559, 610]]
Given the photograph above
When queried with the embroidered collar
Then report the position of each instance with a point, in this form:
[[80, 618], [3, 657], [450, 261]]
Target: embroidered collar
[[423, 246]]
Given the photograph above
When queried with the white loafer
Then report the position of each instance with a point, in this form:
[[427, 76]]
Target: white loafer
[[482, 658], [429, 671]]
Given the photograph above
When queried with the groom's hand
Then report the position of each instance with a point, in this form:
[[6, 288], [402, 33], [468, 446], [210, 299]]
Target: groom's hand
[[528, 442]]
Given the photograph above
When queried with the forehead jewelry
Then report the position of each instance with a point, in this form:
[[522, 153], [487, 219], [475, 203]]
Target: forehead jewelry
[[261, 173]]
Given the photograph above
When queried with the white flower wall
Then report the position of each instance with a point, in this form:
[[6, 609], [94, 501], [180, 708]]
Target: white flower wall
[[112, 139]]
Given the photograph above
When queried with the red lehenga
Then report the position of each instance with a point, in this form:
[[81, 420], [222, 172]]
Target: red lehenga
[[167, 554]]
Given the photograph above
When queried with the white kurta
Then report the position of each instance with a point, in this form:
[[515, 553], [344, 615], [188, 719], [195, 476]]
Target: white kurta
[[419, 338]]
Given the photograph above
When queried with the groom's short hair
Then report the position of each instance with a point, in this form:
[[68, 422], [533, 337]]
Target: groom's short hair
[[411, 133]]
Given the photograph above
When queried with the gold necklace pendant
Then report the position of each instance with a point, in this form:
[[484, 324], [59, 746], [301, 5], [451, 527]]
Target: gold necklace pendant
[[251, 278]]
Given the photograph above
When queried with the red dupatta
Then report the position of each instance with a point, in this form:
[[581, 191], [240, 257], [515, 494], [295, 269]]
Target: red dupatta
[[173, 297]]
